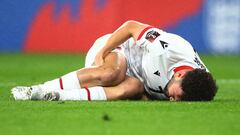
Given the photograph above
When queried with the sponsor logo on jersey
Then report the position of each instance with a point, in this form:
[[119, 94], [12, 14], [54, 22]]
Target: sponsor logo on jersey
[[196, 60], [157, 73]]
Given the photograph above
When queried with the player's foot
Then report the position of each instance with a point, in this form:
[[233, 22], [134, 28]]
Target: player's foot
[[37, 92], [34, 93], [27, 93], [51, 96], [22, 93]]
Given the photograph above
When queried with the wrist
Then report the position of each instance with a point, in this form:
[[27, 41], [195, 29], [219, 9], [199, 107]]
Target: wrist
[[103, 52]]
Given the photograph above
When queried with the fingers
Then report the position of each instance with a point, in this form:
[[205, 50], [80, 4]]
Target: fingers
[[98, 61]]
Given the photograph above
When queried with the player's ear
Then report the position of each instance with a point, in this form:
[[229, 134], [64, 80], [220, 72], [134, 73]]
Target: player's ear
[[180, 75]]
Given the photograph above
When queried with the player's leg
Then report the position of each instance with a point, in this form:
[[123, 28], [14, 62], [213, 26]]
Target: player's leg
[[130, 88], [110, 73]]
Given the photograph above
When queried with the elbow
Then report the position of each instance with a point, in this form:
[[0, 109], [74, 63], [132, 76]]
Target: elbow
[[131, 23], [135, 28], [131, 27]]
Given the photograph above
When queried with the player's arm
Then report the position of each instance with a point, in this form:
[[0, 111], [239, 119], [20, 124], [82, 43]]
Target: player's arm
[[123, 33], [130, 88]]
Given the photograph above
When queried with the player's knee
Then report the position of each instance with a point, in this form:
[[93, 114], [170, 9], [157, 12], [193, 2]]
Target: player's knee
[[111, 76]]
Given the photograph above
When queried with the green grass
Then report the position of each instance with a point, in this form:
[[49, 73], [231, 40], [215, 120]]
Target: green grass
[[220, 117]]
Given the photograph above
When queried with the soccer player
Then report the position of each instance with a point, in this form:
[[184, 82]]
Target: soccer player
[[135, 61]]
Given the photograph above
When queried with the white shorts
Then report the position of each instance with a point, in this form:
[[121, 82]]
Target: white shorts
[[96, 47]]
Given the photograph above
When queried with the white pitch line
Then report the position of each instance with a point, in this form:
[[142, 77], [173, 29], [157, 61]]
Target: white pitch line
[[7, 84], [228, 81]]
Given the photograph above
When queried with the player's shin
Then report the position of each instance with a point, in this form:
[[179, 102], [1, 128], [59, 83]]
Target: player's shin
[[66, 82], [93, 93]]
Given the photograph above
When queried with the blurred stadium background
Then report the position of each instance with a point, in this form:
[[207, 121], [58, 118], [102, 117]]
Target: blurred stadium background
[[71, 26], [43, 39]]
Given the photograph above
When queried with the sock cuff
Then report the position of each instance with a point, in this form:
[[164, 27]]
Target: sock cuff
[[89, 94], [96, 93], [70, 81]]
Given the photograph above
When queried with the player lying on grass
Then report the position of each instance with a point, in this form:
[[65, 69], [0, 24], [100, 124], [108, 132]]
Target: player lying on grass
[[135, 61]]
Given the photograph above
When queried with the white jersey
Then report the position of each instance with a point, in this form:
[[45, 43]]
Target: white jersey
[[153, 58]]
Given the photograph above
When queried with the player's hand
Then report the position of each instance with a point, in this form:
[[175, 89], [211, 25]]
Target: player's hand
[[99, 59]]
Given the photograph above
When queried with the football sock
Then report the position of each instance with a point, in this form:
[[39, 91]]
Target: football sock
[[93, 93], [66, 82]]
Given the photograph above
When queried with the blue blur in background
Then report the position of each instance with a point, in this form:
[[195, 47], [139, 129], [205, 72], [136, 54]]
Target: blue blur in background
[[214, 29]]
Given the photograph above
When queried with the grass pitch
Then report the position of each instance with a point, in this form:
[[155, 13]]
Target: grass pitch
[[220, 117]]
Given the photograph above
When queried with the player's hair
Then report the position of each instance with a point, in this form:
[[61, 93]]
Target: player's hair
[[198, 85]]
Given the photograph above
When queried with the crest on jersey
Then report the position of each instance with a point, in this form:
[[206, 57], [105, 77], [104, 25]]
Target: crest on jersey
[[152, 35]]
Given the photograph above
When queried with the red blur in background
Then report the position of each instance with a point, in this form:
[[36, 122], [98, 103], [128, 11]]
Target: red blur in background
[[48, 34]]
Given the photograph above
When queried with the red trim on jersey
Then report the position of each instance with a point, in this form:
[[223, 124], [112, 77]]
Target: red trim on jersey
[[88, 93], [143, 31], [61, 83], [182, 68]]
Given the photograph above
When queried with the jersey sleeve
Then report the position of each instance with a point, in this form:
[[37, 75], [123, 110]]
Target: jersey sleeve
[[149, 39], [148, 35]]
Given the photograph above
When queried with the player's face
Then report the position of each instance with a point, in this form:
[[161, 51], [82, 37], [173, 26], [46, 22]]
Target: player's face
[[174, 89]]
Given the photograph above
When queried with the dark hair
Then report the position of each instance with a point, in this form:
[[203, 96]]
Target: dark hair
[[198, 85]]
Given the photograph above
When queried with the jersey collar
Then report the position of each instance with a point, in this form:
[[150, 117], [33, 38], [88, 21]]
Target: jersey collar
[[182, 68]]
